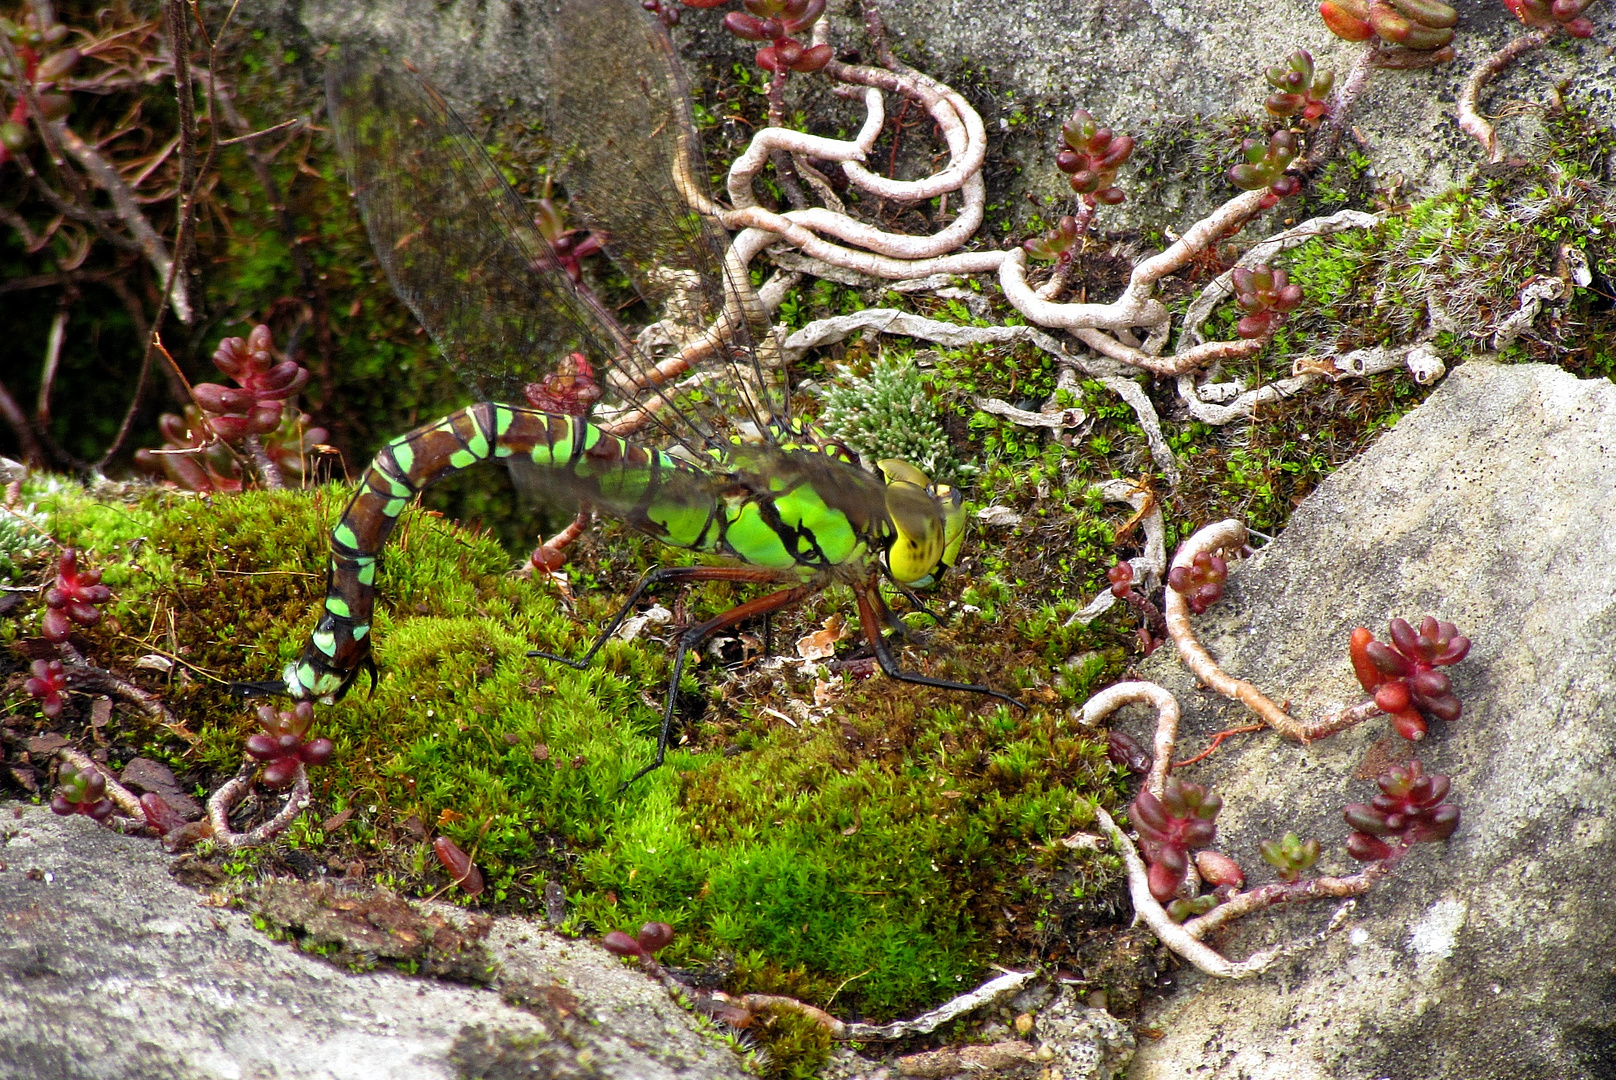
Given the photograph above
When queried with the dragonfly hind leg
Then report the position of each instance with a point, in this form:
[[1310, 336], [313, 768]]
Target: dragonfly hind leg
[[695, 635], [657, 576], [869, 602]]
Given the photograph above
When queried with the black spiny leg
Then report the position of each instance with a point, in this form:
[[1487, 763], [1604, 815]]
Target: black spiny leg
[[656, 576], [693, 637], [869, 602]]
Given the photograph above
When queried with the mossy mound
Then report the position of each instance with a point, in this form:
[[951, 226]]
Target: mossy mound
[[878, 852]]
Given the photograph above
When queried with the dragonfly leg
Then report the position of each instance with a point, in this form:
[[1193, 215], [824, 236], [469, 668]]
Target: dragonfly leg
[[918, 602], [693, 637], [869, 602], [657, 576]]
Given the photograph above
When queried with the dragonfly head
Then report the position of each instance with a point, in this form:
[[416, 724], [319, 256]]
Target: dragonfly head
[[928, 524]]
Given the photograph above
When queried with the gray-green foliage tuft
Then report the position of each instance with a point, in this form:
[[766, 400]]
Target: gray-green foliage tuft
[[24, 532], [889, 414]]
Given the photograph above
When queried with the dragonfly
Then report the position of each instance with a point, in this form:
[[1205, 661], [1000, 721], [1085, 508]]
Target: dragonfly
[[692, 439]]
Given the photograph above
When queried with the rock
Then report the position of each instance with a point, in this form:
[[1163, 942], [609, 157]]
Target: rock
[[1136, 63], [1489, 956], [1067, 1041], [1143, 68], [110, 969], [143, 774]]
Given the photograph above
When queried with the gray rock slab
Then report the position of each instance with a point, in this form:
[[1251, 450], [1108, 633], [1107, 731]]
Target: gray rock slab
[[111, 970], [1026, 64], [1493, 956]]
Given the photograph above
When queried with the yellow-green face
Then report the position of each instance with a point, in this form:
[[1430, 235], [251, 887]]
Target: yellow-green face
[[929, 520]]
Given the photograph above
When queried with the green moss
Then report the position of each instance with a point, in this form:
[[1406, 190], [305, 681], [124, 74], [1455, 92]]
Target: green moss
[[797, 1046], [873, 847]]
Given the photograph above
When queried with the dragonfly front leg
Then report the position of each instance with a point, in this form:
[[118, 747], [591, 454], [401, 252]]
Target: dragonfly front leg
[[692, 639], [869, 602], [657, 576]]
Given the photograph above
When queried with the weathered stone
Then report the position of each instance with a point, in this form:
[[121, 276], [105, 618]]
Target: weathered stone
[[109, 969], [1026, 64], [143, 774], [1066, 1039], [1489, 956]]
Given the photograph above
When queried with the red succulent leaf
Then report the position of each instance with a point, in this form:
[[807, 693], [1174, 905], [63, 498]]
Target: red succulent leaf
[[622, 944], [459, 865]]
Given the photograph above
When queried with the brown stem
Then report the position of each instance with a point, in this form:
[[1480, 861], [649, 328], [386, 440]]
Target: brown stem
[[178, 25], [1222, 535], [876, 29], [85, 676], [760, 1002], [268, 471], [1328, 139], [53, 358], [138, 315], [106, 177], [100, 221], [32, 455], [14, 220], [1341, 721], [1290, 892], [122, 797], [313, 290], [1471, 122], [225, 799]]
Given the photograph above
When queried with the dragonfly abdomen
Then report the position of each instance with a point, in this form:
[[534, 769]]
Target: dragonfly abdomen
[[783, 527]]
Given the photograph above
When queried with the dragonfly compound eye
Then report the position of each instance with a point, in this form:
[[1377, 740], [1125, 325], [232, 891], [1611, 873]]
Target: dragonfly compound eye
[[918, 521]]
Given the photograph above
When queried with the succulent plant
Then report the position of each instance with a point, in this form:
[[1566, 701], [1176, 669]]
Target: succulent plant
[[1409, 810], [1092, 156], [1290, 855], [1264, 167], [570, 246], [664, 11], [1422, 25], [570, 389], [255, 408], [781, 23], [1219, 870], [1057, 243], [49, 685], [1297, 90], [1403, 675], [1201, 582], [1121, 578], [81, 793], [1170, 827], [73, 599], [1543, 14], [1181, 909], [191, 458], [1152, 626], [1126, 753], [651, 939], [459, 865], [43, 64], [283, 744], [1267, 297]]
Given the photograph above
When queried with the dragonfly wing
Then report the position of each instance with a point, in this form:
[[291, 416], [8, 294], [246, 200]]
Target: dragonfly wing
[[630, 158], [459, 246], [454, 240]]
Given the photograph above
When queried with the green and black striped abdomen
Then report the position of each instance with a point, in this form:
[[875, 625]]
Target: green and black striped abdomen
[[812, 513]]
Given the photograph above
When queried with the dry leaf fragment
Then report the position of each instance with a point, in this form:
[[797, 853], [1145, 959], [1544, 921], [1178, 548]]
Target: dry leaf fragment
[[821, 644]]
